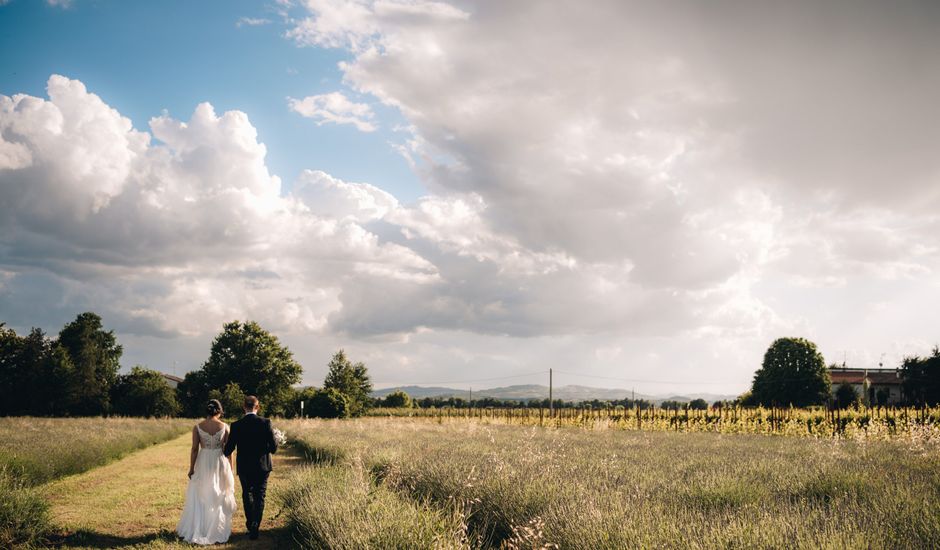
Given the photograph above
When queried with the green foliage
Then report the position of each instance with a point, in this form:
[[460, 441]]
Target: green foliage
[[351, 380], [793, 373], [698, 405], [144, 392], [922, 378], [882, 396], [232, 398], [746, 399], [327, 403], [24, 514], [298, 395], [254, 360], [73, 375], [846, 396], [95, 356], [35, 374], [193, 394], [397, 399]]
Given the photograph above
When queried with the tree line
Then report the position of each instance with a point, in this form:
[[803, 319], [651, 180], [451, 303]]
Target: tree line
[[794, 373], [76, 373]]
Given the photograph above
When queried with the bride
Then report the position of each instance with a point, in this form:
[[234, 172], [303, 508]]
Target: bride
[[210, 496]]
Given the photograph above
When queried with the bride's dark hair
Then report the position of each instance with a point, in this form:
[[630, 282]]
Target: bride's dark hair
[[214, 407]]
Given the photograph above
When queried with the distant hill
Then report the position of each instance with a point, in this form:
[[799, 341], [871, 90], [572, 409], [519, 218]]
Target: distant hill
[[537, 391]]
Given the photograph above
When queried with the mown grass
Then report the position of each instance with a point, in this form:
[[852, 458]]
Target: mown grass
[[37, 450], [136, 502], [529, 487]]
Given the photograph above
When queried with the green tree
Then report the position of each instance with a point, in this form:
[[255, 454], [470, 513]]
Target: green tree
[[193, 394], [397, 399], [233, 400], [35, 374], [846, 396], [921, 378], [882, 396], [95, 356], [793, 373], [255, 360], [698, 405], [12, 372], [304, 395], [144, 392], [746, 399], [351, 380], [327, 403]]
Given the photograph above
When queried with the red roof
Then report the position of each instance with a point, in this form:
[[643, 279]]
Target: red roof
[[882, 377]]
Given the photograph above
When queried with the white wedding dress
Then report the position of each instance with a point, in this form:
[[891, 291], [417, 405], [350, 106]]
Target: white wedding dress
[[210, 496]]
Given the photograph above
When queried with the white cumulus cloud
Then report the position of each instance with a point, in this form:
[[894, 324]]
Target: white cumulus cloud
[[334, 108]]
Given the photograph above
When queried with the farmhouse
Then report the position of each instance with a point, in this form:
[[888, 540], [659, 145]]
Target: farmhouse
[[874, 386], [171, 380]]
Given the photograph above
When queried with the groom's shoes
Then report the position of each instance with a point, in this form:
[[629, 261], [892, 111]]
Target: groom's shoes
[[253, 531]]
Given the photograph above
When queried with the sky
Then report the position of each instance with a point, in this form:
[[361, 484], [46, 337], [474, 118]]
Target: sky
[[635, 194]]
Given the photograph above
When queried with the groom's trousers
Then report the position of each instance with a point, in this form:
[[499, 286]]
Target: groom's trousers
[[254, 486]]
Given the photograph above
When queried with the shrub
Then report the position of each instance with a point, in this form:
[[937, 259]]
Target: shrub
[[328, 403], [846, 396], [397, 399]]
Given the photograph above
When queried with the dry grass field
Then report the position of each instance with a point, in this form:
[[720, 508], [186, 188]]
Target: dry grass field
[[490, 485], [414, 483]]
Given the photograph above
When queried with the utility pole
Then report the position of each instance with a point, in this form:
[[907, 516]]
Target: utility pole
[[551, 404], [471, 397]]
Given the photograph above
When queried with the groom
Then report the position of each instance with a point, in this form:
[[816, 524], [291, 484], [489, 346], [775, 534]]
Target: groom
[[253, 437]]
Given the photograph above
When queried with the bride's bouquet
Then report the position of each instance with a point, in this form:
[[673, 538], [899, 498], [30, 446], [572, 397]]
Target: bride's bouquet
[[280, 437]]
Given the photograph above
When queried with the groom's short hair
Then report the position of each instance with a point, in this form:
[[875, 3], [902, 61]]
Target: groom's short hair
[[250, 402]]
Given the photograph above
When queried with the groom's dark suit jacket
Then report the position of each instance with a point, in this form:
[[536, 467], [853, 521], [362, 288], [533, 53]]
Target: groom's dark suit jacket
[[253, 437]]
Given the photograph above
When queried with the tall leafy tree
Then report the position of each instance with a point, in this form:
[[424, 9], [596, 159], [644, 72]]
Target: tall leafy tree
[[249, 356], [793, 373], [351, 380], [50, 374], [36, 375], [11, 371], [144, 392], [95, 356], [193, 393], [921, 379]]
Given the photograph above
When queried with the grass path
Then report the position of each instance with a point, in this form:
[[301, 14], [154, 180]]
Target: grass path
[[136, 502]]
